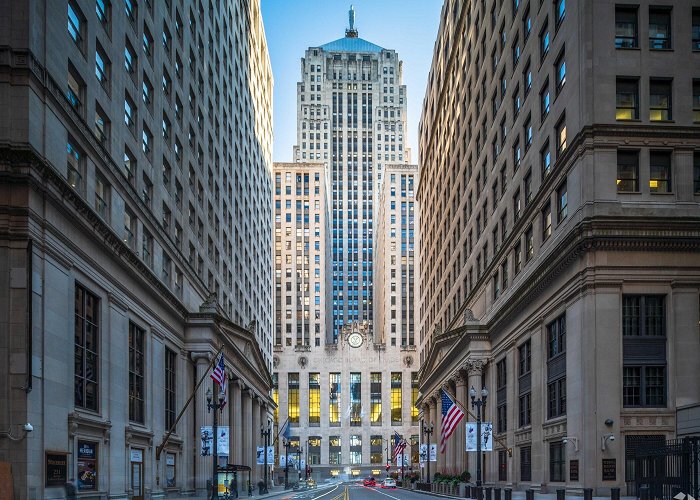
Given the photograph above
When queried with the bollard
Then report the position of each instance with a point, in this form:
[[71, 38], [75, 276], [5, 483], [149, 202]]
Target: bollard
[[509, 493], [644, 493], [530, 494], [561, 494], [588, 494], [614, 494], [497, 494], [487, 493], [479, 493]]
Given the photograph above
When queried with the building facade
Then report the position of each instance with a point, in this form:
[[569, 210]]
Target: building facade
[[559, 194], [135, 167], [344, 383]]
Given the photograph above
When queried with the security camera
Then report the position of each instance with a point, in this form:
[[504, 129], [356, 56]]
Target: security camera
[[612, 438], [565, 440], [28, 427]]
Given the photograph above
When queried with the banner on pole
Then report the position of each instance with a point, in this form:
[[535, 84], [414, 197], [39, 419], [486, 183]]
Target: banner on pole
[[270, 455], [283, 460], [423, 453], [433, 452], [222, 440], [486, 436]]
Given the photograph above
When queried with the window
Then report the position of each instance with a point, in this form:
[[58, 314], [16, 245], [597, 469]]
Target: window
[[561, 136], [75, 166], [544, 100], [76, 25], [643, 316], [544, 41], [334, 399], [556, 398], [101, 197], [76, 90], [130, 114], [560, 67], [147, 248], [170, 381], [502, 465], [102, 68], [627, 171], [147, 43], [546, 222], [660, 172], [644, 386], [529, 244], [130, 60], [146, 141], [659, 28], [696, 101], [102, 9], [130, 7], [293, 398], [501, 407], [414, 397], [527, 78], [527, 22], [626, 27], [355, 399], [396, 398], [527, 129], [147, 92], [334, 450], [137, 393], [562, 203], [627, 99], [527, 187], [556, 337], [86, 349], [557, 461], [129, 167], [375, 397], [314, 399], [355, 449], [559, 11], [696, 29], [526, 463], [102, 125], [517, 258], [546, 160], [696, 172], [660, 100]]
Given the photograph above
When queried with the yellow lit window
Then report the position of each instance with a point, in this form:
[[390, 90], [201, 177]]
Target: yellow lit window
[[396, 398]]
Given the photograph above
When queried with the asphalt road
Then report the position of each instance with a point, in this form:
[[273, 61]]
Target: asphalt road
[[355, 491]]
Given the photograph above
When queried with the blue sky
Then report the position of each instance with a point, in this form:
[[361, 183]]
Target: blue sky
[[291, 26]]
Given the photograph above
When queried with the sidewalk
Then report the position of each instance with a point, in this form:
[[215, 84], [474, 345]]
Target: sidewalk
[[520, 495], [274, 491]]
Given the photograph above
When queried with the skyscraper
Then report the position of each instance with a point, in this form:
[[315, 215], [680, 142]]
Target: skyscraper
[[351, 115], [135, 237], [345, 383]]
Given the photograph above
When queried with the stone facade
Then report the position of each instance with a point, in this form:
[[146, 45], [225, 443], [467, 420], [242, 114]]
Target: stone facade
[[124, 217], [560, 192]]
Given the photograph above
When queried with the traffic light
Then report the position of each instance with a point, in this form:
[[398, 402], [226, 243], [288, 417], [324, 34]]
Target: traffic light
[[388, 466]]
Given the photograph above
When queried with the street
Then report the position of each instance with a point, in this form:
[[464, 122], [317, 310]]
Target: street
[[354, 491]]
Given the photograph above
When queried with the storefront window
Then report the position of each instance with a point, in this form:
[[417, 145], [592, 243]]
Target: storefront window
[[87, 466]]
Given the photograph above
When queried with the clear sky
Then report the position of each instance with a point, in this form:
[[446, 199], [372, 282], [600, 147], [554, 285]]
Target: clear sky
[[291, 26]]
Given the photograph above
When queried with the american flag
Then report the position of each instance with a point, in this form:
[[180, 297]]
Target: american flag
[[451, 416], [219, 373], [399, 446]]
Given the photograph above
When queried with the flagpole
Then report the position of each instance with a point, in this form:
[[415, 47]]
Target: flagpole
[[159, 448], [466, 410]]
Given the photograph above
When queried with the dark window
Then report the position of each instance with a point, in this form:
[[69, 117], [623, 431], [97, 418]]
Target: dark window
[[696, 101], [696, 172], [529, 244], [524, 357], [502, 465], [627, 100], [562, 203], [644, 386], [526, 463], [544, 41], [546, 222], [659, 28], [660, 172], [643, 315], [696, 29], [136, 374], [557, 461], [556, 337], [559, 11], [544, 100], [525, 409], [626, 27], [501, 418], [86, 363], [76, 25], [556, 398], [170, 359], [627, 171], [560, 68], [660, 107]]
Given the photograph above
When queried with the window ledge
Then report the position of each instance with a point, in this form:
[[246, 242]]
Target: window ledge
[[629, 192], [630, 120], [660, 50], [661, 121], [662, 194], [628, 48]]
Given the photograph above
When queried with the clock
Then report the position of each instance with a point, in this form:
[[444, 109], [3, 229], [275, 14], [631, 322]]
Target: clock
[[355, 339]]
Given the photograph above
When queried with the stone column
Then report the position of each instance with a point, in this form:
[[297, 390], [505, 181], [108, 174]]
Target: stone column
[[255, 435], [462, 394], [247, 424], [203, 465]]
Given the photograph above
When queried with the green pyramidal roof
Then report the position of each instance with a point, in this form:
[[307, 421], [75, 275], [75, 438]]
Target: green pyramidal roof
[[351, 44]]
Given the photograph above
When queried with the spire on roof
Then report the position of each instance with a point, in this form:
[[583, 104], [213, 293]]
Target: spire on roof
[[351, 32]]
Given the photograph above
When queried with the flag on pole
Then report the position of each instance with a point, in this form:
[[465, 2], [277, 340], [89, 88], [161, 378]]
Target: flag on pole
[[223, 389], [287, 431], [399, 446], [219, 373], [451, 416]]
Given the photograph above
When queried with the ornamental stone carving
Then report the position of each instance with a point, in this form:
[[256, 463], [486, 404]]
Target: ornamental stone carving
[[469, 316], [475, 366]]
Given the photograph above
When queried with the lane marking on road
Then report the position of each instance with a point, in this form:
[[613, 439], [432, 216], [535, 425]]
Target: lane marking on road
[[385, 494], [328, 492]]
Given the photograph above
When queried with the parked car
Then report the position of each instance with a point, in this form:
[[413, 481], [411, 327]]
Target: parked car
[[369, 481], [389, 483]]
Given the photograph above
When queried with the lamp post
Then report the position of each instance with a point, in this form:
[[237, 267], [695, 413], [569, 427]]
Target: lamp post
[[216, 406], [299, 452], [265, 433], [306, 465], [428, 430], [478, 404], [287, 444]]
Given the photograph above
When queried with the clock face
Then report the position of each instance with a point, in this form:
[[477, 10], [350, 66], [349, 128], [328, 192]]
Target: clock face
[[355, 339]]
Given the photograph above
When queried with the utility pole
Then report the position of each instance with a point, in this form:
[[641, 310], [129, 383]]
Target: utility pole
[[428, 430]]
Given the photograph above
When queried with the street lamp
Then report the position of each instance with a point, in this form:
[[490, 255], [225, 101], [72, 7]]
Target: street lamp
[[306, 464], [216, 406], [478, 404], [265, 434], [299, 452], [287, 444], [428, 430]]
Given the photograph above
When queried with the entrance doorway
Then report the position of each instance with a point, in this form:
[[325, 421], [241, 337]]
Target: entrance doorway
[[137, 474]]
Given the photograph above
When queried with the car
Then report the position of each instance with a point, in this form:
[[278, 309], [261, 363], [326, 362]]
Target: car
[[369, 481], [311, 483], [389, 483]]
